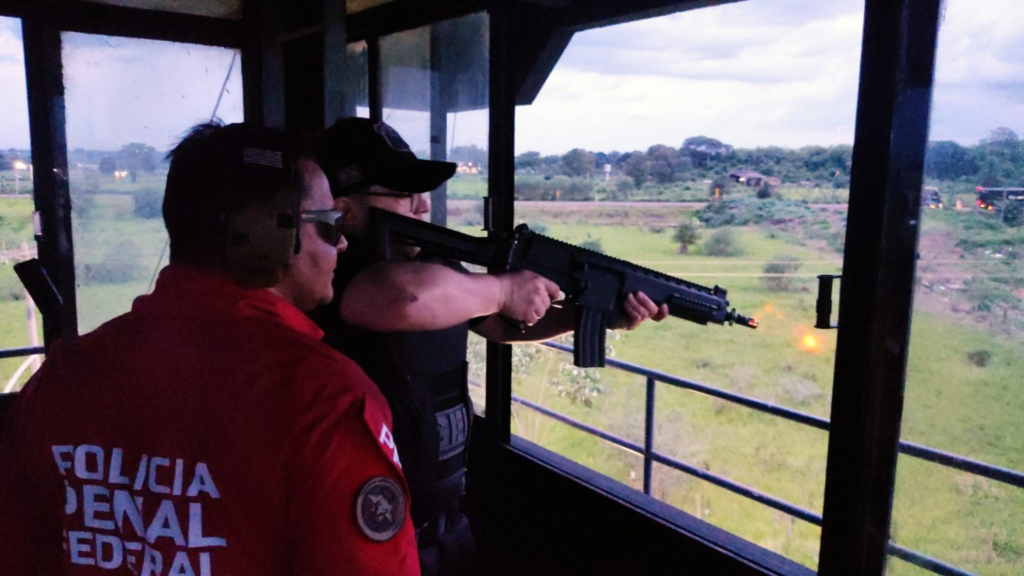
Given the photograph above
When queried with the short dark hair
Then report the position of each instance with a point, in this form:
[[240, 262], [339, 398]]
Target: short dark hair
[[215, 172]]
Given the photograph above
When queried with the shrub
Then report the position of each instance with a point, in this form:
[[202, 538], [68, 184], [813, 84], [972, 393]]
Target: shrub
[[1013, 214], [745, 211], [687, 233], [764, 192], [979, 222], [575, 189], [781, 264], [987, 295], [979, 358], [531, 188], [592, 244], [148, 203], [837, 241], [723, 243], [84, 205], [121, 264], [555, 188]]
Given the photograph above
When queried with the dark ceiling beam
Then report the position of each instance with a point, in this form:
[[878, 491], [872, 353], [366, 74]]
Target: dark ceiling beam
[[91, 18], [547, 26], [401, 15], [539, 45], [585, 14]]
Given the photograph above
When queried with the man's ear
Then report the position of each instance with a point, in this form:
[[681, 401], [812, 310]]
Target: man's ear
[[345, 204]]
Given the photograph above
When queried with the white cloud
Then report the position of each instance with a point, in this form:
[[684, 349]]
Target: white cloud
[[979, 72], [751, 73], [766, 72], [120, 90], [13, 98], [723, 72]]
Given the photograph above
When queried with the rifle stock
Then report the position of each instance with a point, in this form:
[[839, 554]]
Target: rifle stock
[[597, 284]]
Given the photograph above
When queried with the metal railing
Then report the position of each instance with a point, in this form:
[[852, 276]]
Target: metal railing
[[18, 352], [650, 455]]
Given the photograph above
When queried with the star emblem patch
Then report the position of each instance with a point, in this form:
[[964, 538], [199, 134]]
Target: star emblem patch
[[380, 508]]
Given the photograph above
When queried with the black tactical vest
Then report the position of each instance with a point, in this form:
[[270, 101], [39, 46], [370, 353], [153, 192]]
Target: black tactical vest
[[423, 376]]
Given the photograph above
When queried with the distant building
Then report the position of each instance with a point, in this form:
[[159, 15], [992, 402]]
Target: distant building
[[747, 177], [467, 168]]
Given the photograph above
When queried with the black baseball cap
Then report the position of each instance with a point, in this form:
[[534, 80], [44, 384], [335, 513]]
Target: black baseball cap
[[356, 153]]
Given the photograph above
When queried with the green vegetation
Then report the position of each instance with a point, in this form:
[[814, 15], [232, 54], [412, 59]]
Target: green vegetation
[[687, 233], [966, 354], [963, 372]]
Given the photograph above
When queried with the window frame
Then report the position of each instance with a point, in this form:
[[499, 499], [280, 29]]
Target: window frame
[[896, 72], [891, 132]]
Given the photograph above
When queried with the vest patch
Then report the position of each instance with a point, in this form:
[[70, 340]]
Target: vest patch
[[452, 431]]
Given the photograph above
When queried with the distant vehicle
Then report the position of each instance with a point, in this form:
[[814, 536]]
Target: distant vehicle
[[931, 198], [992, 199]]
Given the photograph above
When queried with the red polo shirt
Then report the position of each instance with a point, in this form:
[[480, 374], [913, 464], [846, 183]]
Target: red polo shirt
[[207, 432]]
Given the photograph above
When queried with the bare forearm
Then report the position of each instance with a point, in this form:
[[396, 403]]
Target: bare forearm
[[415, 296]]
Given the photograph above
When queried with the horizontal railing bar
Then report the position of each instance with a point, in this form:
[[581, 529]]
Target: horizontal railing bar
[[951, 460], [618, 441], [741, 489], [912, 556], [16, 352], [933, 455], [720, 481], [927, 562], [774, 409], [948, 459]]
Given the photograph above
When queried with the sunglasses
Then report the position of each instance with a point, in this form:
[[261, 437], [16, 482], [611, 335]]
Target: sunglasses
[[327, 223]]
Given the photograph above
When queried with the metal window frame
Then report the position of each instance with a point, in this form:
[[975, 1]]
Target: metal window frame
[[893, 105], [892, 127], [892, 123], [43, 22]]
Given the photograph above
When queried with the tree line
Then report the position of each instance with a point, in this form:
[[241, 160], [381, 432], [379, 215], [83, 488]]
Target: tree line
[[995, 161]]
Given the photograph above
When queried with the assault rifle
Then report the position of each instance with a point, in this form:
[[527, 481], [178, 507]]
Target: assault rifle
[[595, 283]]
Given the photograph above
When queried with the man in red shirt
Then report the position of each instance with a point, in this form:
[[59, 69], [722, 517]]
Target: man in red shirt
[[208, 431]]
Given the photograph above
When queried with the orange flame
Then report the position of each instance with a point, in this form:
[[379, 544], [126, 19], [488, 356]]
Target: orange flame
[[810, 343]]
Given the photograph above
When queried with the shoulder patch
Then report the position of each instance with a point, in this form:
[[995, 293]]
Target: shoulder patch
[[380, 508]]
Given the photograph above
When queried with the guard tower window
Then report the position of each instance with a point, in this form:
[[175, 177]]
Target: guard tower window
[[733, 122], [434, 87], [128, 102], [20, 322], [967, 336]]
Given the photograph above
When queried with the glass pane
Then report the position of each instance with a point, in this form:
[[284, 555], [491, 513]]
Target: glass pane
[[20, 321], [358, 78], [434, 89], [712, 145], [128, 102], [967, 335], [405, 86], [215, 8]]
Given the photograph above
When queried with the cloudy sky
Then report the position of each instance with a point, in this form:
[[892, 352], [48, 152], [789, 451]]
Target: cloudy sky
[[754, 73], [120, 90]]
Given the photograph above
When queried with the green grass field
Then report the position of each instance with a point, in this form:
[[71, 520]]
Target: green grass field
[[952, 403]]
